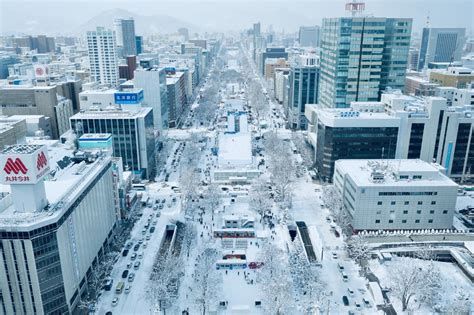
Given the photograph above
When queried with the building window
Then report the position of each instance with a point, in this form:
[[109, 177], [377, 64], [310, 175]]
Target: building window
[[392, 203], [405, 211], [377, 221], [392, 211], [433, 202], [430, 221], [407, 203], [418, 211], [420, 202], [390, 221], [431, 211], [445, 211], [404, 221], [379, 203], [379, 212], [417, 221]]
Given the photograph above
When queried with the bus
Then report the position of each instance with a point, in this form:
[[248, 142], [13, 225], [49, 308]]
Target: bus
[[119, 287], [138, 187], [231, 264]]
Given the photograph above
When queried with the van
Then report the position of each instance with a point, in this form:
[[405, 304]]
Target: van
[[119, 288]]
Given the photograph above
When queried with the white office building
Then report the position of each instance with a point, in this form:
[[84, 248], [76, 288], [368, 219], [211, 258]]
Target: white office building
[[50, 241], [101, 46], [395, 194]]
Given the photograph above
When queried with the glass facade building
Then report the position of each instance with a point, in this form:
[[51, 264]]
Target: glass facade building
[[361, 57]]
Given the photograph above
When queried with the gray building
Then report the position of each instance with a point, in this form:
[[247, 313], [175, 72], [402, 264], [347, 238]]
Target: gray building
[[308, 36], [441, 45], [361, 57], [5, 61], [176, 87], [132, 132], [37, 100], [272, 52], [126, 38]]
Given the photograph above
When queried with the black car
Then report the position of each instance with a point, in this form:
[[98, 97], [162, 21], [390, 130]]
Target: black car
[[152, 229], [136, 247], [125, 274], [345, 300], [125, 252]]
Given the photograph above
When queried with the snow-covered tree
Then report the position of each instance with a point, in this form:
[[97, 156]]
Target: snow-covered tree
[[411, 277], [212, 197], [358, 249], [164, 282], [333, 201], [306, 279], [275, 281], [259, 198], [189, 237], [207, 280], [461, 304]]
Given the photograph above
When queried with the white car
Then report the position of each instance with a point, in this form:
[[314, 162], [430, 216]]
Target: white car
[[128, 289], [115, 301]]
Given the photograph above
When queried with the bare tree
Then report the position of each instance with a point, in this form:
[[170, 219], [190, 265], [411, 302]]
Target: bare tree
[[164, 282], [259, 198], [212, 197], [413, 277], [333, 201], [189, 237], [207, 280], [461, 304], [275, 281]]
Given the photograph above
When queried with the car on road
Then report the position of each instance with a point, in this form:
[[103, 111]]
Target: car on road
[[140, 241], [115, 301], [129, 245], [129, 265], [340, 267], [366, 302], [350, 291], [345, 278], [128, 288], [148, 237], [357, 305], [108, 284], [134, 256], [144, 231], [334, 255], [136, 265], [131, 277], [136, 247], [140, 256], [145, 245], [152, 230], [125, 274], [125, 253], [345, 300]]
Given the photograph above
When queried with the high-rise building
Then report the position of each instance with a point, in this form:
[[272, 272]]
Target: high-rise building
[[132, 132], [271, 52], [361, 57], [304, 81], [153, 83], [42, 43], [413, 55], [51, 239], [441, 45], [139, 44], [176, 87], [126, 39], [308, 36], [101, 46]]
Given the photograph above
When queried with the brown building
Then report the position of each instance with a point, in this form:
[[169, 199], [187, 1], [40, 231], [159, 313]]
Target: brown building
[[419, 86], [457, 77], [271, 64]]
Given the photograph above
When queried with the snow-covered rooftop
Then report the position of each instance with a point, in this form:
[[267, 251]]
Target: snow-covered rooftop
[[235, 150]]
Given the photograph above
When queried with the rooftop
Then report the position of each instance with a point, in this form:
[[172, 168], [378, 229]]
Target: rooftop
[[115, 113], [20, 149], [413, 173]]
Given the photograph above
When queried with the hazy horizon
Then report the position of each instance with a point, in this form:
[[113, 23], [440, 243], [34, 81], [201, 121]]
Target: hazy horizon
[[66, 17]]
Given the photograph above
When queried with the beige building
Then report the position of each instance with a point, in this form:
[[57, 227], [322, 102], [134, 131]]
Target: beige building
[[457, 77], [12, 131], [271, 64]]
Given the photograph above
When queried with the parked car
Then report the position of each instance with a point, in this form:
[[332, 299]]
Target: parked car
[[334, 255], [345, 278], [152, 229], [340, 267], [128, 288], [125, 253], [129, 245], [140, 256], [350, 291], [255, 265], [134, 256], [357, 305], [125, 274], [108, 284], [131, 277], [345, 300], [136, 247], [366, 302], [148, 237]]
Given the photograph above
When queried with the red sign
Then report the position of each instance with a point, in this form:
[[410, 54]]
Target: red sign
[[16, 166], [41, 161]]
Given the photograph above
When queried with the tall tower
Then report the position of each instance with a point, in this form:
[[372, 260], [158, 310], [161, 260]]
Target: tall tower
[[23, 168], [102, 46], [125, 30], [361, 57]]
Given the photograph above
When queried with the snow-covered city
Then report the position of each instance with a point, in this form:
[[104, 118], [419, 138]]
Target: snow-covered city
[[243, 171]]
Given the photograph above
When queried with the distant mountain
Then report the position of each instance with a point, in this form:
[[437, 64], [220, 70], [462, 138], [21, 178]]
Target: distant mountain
[[144, 25]]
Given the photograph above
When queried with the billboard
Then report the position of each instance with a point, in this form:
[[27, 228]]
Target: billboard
[[23, 167], [125, 98], [41, 71]]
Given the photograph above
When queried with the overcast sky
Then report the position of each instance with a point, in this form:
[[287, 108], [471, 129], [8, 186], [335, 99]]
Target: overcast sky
[[66, 16]]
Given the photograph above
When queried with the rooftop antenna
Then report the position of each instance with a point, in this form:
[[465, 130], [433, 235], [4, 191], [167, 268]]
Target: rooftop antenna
[[355, 7]]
